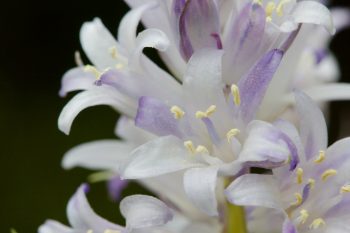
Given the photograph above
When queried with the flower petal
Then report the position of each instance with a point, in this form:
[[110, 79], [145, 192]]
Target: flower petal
[[52, 226], [76, 79], [329, 92], [93, 97], [141, 211], [102, 154], [313, 128], [81, 216], [288, 227], [155, 116], [127, 130], [309, 12], [200, 187], [253, 86], [115, 187], [255, 190], [160, 156]]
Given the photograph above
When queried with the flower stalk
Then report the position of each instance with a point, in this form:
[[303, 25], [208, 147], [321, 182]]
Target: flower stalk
[[235, 222]]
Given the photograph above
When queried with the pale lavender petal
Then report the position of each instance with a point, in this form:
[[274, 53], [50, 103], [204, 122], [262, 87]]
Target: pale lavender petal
[[177, 7], [341, 17], [288, 227], [253, 86], [52, 226], [141, 211], [242, 41], [115, 187], [198, 23], [76, 79], [155, 116], [200, 186], [81, 216], [128, 131], [313, 128]]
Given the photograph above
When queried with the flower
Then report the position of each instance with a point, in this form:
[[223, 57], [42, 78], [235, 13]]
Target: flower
[[312, 197]]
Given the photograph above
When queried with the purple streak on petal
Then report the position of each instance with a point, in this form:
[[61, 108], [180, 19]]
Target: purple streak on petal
[[267, 164], [155, 116], [211, 130], [115, 187], [254, 85], [293, 151], [291, 37], [320, 54], [178, 7], [288, 227], [218, 40], [306, 192], [185, 43]]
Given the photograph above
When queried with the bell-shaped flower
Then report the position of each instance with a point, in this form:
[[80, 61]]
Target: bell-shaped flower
[[312, 198]]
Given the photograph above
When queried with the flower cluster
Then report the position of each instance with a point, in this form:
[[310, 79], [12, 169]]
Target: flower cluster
[[230, 137]]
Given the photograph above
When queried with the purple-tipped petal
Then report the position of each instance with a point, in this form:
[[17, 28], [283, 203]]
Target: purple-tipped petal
[[288, 227], [155, 116], [253, 86], [198, 22], [115, 187]]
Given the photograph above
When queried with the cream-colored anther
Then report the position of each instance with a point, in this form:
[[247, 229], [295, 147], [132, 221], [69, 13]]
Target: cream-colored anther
[[232, 133], [298, 199], [202, 150], [317, 223], [321, 157], [279, 8], [94, 70], [77, 59], [236, 94], [190, 147], [113, 52], [90, 231], [302, 218], [177, 111], [328, 173], [270, 7], [111, 231], [119, 66], [207, 113], [300, 173], [311, 182], [345, 189]]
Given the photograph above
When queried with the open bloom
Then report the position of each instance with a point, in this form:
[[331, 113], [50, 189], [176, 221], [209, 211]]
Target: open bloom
[[312, 198]]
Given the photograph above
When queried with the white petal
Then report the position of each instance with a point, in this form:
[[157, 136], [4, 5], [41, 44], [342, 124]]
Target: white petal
[[128, 26], [255, 190], [329, 92], [160, 156], [93, 97], [76, 79], [81, 216], [309, 12], [142, 211], [102, 154], [97, 41], [52, 226], [200, 187]]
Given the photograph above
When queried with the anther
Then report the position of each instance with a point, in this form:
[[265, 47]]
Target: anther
[[119, 66], [90, 231], [300, 173], [77, 59], [312, 183], [317, 223], [207, 113], [328, 173], [298, 199], [202, 150], [113, 51], [279, 8], [232, 133], [177, 111], [321, 157], [270, 7], [190, 147], [236, 95], [304, 214], [345, 189]]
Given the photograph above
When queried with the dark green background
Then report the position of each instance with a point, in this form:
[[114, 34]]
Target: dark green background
[[37, 45]]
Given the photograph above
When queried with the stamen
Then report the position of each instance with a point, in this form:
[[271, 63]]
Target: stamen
[[94, 70], [113, 51], [190, 147], [77, 59], [270, 7], [279, 8], [328, 173], [236, 95], [177, 111], [300, 173], [202, 150], [304, 214], [345, 189], [321, 157], [299, 199], [311, 182], [317, 223], [232, 133], [207, 113]]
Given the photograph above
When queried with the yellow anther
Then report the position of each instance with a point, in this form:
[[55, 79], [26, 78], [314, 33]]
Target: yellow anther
[[328, 173], [321, 157], [232, 133], [317, 223], [177, 111], [90, 231], [190, 147], [270, 7], [94, 70], [279, 8], [119, 66], [207, 113], [111, 231], [258, 2], [304, 214], [345, 189], [312, 183], [113, 51], [200, 114], [202, 150], [236, 95], [300, 173], [298, 199]]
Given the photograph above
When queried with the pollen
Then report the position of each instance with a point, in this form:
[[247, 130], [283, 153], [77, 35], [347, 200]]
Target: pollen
[[190, 147], [317, 223], [113, 52], [279, 8], [232, 133], [270, 7], [93, 70], [207, 113], [304, 214], [345, 189], [236, 95], [328, 173], [321, 157], [202, 150], [177, 111], [298, 199], [312, 183], [300, 173]]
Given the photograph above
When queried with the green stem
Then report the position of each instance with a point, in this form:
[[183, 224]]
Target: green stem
[[235, 222]]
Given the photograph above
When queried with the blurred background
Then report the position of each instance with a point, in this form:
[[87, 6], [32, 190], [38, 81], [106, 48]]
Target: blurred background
[[37, 46]]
